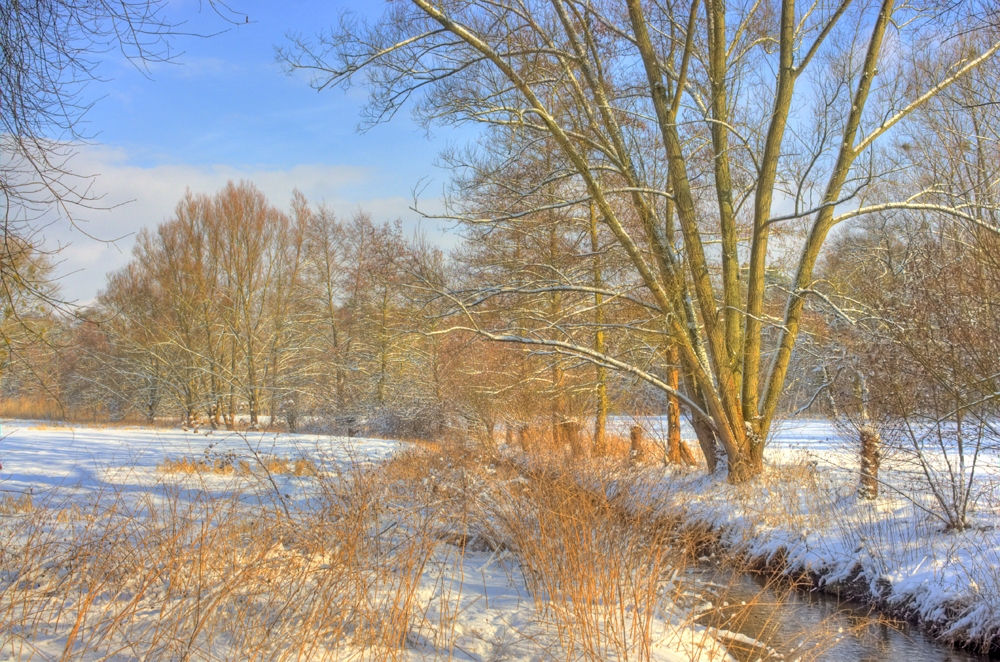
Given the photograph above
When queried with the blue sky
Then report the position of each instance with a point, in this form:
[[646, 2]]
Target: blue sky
[[226, 110]]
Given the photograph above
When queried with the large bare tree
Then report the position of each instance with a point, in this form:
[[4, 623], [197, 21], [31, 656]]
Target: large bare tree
[[699, 130]]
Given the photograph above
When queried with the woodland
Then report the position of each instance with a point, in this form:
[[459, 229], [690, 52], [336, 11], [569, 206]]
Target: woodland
[[728, 213], [714, 331]]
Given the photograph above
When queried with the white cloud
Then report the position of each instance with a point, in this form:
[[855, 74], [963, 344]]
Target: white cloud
[[135, 197]]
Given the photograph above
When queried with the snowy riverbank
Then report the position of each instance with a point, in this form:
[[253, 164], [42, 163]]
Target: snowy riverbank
[[801, 517], [804, 517]]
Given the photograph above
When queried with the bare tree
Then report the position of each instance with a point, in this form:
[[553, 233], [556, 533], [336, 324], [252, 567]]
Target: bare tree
[[700, 132], [234, 310], [326, 277], [913, 292], [50, 51], [926, 348]]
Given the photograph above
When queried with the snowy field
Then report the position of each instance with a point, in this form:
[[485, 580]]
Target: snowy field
[[42, 457], [46, 458], [466, 602]]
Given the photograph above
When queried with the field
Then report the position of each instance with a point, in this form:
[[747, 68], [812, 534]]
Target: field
[[133, 543]]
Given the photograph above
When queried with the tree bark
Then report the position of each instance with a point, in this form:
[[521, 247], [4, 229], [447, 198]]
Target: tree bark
[[600, 420], [636, 446], [871, 460], [673, 409]]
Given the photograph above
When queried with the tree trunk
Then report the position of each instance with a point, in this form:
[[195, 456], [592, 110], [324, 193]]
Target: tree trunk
[[686, 456], [636, 446], [748, 464], [600, 420], [871, 460], [834, 410], [708, 443], [231, 420], [673, 410], [252, 404]]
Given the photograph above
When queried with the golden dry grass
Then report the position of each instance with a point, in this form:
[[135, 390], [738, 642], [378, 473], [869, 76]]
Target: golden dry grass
[[789, 497], [12, 504], [48, 409], [219, 574], [191, 574], [598, 557], [31, 408], [538, 441], [227, 466]]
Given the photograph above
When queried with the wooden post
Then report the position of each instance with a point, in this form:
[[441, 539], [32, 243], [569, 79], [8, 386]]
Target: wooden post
[[636, 448], [571, 431], [522, 437]]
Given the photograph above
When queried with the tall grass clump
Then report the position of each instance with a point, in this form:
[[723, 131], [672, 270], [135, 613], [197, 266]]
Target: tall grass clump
[[191, 574], [601, 576]]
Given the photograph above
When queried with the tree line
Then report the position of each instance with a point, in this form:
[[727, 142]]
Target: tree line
[[686, 206], [235, 314]]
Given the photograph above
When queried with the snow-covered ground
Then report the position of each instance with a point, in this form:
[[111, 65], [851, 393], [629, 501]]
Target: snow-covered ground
[[474, 604], [806, 515], [470, 604], [43, 457]]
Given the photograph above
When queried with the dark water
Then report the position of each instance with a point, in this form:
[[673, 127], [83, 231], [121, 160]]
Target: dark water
[[810, 625]]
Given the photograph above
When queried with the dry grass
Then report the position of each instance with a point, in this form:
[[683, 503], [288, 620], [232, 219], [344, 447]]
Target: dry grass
[[47, 409], [31, 408], [592, 568], [218, 573], [16, 504], [787, 496], [649, 451], [373, 565], [602, 562], [538, 442], [229, 465]]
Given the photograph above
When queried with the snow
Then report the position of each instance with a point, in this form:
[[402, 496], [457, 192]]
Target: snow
[[497, 617], [804, 511], [43, 457], [499, 620]]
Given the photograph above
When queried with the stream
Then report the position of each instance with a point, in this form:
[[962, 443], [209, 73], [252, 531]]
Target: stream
[[784, 618]]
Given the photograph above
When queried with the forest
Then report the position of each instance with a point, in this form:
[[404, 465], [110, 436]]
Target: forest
[[235, 314]]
